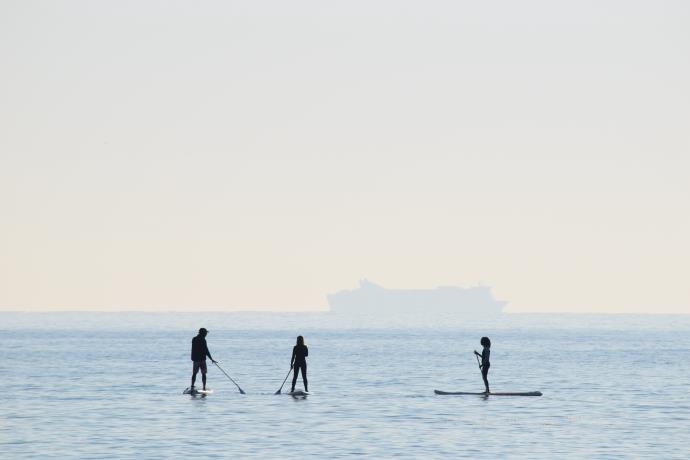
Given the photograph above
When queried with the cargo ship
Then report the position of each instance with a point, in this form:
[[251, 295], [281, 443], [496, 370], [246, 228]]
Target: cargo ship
[[372, 298]]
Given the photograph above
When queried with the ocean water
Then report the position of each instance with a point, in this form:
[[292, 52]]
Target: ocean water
[[108, 385]]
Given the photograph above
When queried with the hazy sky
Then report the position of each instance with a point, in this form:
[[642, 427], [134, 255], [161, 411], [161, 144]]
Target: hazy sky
[[220, 154]]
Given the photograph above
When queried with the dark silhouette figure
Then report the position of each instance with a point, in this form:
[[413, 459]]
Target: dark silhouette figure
[[485, 365], [199, 354], [299, 362]]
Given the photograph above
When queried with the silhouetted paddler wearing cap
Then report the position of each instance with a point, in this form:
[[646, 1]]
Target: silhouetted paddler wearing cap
[[199, 354]]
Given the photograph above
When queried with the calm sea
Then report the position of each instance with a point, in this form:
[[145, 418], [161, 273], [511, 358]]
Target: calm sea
[[108, 385]]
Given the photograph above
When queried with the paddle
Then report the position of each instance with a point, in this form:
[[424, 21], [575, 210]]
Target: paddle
[[281, 387], [226, 374]]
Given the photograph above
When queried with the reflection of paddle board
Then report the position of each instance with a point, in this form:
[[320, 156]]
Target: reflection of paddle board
[[298, 393], [196, 391], [527, 393]]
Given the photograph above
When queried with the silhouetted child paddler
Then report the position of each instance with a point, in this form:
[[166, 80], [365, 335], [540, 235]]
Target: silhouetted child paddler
[[484, 366]]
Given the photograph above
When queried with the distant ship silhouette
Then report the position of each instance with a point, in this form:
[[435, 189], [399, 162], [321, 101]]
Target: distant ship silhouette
[[372, 298]]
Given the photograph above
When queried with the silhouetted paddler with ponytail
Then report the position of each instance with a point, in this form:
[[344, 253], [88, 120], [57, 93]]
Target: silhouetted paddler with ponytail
[[299, 362]]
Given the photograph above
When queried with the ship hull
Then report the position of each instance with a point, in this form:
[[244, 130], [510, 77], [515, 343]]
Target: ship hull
[[372, 298]]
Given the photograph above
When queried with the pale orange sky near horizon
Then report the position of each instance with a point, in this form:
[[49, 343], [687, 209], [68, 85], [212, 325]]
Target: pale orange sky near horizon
[[239, 155]]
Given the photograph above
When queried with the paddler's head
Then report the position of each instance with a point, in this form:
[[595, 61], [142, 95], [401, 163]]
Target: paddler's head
[[485, 342], [203, 332]]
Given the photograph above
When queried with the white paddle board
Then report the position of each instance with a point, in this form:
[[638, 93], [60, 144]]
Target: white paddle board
[[298, 393], [196, 391]]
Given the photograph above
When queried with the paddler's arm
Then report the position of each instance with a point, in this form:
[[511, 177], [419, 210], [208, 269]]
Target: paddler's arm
[[208, 353], [480, 355], [292, 360]]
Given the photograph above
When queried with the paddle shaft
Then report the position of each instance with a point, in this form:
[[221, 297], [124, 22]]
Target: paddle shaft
[[226, 374], [285, 380], [480, 366]]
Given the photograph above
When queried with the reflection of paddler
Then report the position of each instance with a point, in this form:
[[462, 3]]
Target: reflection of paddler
[[484, 366], [299, 362]]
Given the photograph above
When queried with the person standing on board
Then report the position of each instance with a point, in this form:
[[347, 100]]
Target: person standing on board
[[299, 362], [199, 354], [484, 366]]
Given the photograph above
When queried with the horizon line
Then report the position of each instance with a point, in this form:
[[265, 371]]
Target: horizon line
[[527, 312]]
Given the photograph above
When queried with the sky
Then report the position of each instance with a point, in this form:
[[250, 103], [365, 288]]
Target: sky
[[169, 155]]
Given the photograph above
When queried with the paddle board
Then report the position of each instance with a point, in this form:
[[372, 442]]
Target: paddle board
[[298, 393], [527, 393], [196, 391]]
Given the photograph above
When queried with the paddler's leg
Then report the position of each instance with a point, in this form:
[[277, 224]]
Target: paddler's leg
[[485, 375], [195, 369], [294, 377], [203, 368], [304, 376]]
